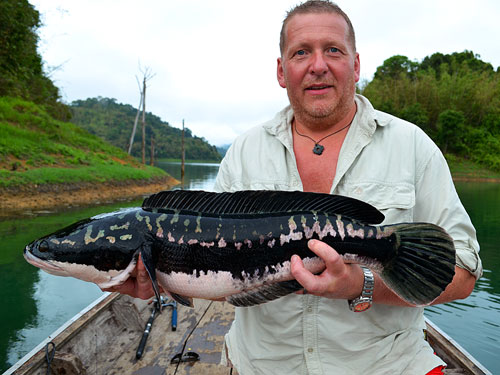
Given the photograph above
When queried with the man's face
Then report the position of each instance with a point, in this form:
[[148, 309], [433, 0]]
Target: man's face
[[319, 68]]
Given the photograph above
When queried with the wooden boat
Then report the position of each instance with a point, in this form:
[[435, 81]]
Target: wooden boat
[[104, 338]]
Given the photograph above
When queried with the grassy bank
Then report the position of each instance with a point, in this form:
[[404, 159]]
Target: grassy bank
[[466, 170], [61, 175], [37, 149]]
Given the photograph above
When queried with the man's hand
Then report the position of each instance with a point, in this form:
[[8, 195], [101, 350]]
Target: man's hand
[[138, 285], [339, 280]]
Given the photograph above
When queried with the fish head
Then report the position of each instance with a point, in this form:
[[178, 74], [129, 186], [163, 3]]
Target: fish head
[[95, 249]]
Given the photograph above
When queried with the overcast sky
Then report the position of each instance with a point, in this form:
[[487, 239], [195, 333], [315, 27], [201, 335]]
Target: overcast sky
[[214, 62]]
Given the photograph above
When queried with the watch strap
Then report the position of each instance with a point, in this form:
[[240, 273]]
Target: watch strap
[[364, 301]]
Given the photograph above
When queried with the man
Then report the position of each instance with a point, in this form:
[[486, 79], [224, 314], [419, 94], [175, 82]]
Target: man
[[332, 141]]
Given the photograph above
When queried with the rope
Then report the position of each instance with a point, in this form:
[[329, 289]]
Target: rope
[[49, 356], [190, 333]]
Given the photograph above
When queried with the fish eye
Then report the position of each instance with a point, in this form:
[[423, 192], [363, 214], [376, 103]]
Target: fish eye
[[43, 247]]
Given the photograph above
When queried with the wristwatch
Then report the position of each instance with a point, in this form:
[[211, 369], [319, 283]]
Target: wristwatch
[[364, 301]]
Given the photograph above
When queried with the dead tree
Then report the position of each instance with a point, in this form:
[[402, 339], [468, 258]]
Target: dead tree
[[146, 73], [144, 120], [136, 120], [152, 163], [183, 155]]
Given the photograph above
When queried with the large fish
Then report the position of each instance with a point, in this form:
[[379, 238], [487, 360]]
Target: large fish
[[238, 246]]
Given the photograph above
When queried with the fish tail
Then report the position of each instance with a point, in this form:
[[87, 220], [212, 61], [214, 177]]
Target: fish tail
[[424, 263]]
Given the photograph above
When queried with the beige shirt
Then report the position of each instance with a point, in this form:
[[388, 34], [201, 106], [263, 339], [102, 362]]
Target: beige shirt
[[390, 164]]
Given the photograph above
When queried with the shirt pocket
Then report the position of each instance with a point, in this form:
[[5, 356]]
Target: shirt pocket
[[396, 201]]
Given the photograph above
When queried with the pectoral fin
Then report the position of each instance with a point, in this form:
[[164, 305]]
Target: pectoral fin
[[149, 264]]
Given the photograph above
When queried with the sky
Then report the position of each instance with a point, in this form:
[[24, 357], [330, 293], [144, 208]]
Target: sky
[[213, 63]]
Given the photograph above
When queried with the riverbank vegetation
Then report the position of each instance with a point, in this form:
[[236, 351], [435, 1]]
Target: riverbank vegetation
[[113, 122], [37, 149], [454, 98]]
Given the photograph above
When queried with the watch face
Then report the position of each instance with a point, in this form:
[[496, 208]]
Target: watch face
[[362, 306]]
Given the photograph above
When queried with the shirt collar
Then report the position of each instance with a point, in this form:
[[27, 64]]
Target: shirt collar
[[366, 120]]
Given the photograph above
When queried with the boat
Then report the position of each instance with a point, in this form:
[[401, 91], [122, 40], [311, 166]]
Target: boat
[[118, 334]]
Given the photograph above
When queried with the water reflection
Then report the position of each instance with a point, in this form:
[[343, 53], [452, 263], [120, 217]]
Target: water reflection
[[53, 307], [198, 176]]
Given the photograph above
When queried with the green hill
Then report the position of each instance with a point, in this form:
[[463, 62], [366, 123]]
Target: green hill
[[454, 98], [37, 149], [114, 121]]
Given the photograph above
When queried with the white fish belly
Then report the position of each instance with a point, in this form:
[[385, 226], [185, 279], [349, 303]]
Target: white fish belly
[[220, 284]]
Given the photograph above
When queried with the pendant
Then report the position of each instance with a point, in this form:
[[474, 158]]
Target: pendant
[[318, 149]]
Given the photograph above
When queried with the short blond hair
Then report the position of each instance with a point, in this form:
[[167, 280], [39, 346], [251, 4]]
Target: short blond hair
[[317, 6]]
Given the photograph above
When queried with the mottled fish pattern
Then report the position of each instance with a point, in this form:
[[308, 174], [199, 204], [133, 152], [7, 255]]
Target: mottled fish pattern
[[237, 246]]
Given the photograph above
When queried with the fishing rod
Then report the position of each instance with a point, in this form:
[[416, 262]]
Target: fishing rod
[[157, 307]]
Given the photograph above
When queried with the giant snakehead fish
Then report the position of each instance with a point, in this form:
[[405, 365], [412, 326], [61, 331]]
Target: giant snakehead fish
[[237, 246]]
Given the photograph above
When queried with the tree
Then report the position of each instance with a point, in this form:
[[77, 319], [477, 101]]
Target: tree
[[454, 98], [451, 131], [21, 66], [394, 66], [454, 63], [416, 114]]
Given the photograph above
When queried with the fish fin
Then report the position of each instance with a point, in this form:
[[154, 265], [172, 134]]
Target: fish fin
[[186, 301], [121, 277], [424, 264], [264, 294], [262, 201], [149, 264]]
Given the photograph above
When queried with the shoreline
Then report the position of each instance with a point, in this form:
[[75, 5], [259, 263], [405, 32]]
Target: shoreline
[[476, 179], [27, 199]]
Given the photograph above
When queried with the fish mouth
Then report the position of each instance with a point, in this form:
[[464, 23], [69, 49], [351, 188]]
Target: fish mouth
[[46, 265]]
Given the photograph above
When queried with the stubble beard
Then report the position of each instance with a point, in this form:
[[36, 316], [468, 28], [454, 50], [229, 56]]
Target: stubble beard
[[323, 115]]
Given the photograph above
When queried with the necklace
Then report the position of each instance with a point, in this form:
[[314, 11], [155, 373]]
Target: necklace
[[318, 149]]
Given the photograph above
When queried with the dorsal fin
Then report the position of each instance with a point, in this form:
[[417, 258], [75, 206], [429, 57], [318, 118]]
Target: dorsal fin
[[263, 201]]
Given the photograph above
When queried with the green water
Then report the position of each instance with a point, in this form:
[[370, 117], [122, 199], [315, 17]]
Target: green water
[[475, 322], [34, 304]]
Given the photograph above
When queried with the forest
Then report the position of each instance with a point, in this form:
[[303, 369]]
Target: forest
[[454, 98], [113, 122]]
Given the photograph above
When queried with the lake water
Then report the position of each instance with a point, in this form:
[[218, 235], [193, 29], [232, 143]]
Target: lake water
[[35, 304]]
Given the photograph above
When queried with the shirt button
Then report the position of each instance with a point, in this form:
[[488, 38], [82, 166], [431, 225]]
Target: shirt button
[[310, 309], [310, 350]]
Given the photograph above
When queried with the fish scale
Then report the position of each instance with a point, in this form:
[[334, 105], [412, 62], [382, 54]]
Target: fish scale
[[237, 246]]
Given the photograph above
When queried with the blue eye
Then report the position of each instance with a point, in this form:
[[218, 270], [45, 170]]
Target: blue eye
[[301, 52], [333, 50]]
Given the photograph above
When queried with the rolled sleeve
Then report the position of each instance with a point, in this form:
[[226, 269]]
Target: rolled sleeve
[[439, 203]]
